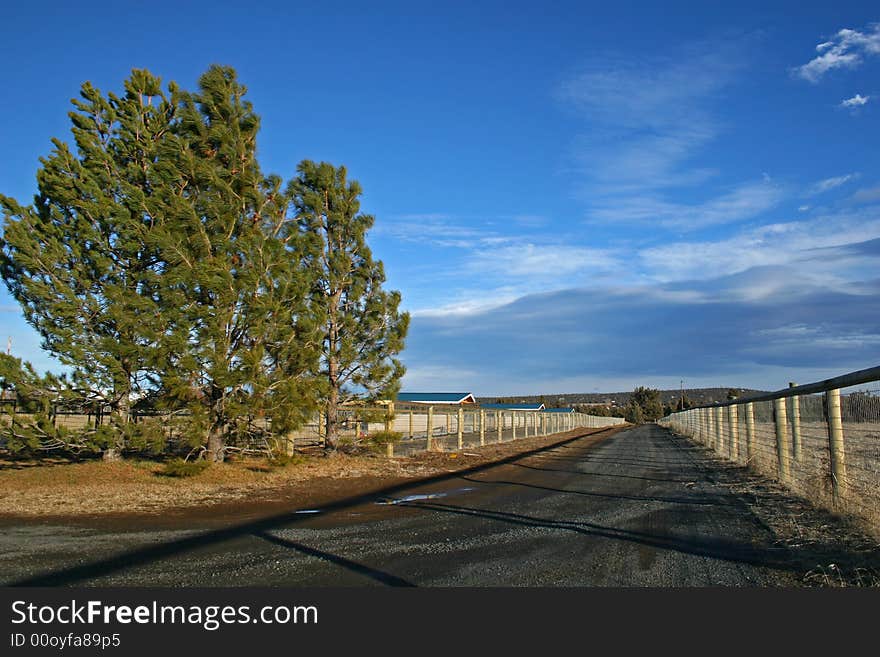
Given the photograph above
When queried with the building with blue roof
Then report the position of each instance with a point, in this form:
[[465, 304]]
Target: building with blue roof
[[449, 398], [515, 407]]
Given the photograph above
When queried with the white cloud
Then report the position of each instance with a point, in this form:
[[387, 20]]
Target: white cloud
[[856, 101], [809, 244], [846, 49], [648, 121], [496, 276], [764, 340], [552, 261], [743, 202], [435, 228], [648, 117], [828, 184], [438, 377], [470, 302]]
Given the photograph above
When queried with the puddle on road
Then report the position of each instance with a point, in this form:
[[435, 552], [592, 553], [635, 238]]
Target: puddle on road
[[307, 511], [422, 496]]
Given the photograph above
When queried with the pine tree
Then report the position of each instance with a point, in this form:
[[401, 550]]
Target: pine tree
[[362, 330], [78, 259], [647, 400], [241, 344]]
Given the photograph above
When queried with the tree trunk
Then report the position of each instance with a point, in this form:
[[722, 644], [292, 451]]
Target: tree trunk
[[215, 445], [331, 441], [217, 432], [111, 454], [121, 411]]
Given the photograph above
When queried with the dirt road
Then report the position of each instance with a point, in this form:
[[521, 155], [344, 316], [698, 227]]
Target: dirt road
[[641, 507]]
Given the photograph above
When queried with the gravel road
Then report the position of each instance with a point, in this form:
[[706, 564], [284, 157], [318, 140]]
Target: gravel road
[[641, 507]]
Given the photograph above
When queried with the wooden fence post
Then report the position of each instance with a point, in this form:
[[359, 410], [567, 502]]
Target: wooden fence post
[[732, 420], [836, 445], [750, 431], [783, 450], [710, 426], [430, 428], [389, 416], [460, 427], [795, 425], [482, 427]]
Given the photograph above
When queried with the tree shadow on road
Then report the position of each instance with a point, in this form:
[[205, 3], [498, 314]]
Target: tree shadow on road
[[378, 575], [780, 557], [129, 559], [701, 500]]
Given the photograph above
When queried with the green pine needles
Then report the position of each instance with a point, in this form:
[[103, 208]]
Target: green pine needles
[[164, 268], [361, 329]]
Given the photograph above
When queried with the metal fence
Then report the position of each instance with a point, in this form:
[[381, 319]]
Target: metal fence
[[822, 440]]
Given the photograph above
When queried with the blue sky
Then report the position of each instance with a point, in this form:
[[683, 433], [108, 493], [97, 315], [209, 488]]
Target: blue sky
[[572, 197]]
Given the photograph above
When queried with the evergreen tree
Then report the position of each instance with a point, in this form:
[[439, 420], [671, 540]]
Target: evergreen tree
[[235, 285], [634, 413], [78, 259], [362, 329], [648, 402]]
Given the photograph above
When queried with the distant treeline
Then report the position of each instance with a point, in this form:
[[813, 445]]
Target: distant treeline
[[641, 405], [697, 396]]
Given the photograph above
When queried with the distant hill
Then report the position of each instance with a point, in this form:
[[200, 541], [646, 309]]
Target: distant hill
[[697, 397]]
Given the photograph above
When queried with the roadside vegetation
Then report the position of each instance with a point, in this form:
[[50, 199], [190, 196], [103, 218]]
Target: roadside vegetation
[[58, 486]]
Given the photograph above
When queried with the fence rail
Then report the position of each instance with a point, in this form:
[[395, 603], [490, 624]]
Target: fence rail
[[421, 427], [444, 428], [822, 440]]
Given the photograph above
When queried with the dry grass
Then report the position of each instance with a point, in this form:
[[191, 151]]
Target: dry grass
[[834, 550], [95, 488]]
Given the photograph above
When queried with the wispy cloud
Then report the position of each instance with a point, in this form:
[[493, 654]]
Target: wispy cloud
[[846, 49], [648, 121], [491, 277], [470, 302], [855, 102], [828, 184], [549, 260], [638, 336], [438, 229], [742, 202], [749, 310], [813, 245], [481, 264], [648, 117]]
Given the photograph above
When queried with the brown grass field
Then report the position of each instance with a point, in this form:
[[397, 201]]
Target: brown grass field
[[60, 489]]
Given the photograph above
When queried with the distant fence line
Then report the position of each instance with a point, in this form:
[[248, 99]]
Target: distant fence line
[[446, 428], [421, 427], [822, 439]]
